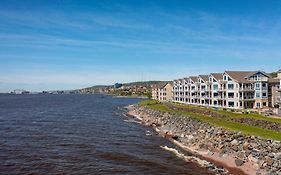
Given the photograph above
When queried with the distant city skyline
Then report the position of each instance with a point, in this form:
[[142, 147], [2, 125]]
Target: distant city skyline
[[55, 45]]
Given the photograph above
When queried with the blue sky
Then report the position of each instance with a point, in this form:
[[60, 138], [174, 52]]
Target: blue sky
[[68, 44]]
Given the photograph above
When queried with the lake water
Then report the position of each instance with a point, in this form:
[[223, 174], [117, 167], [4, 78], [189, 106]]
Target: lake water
[[81, 134]]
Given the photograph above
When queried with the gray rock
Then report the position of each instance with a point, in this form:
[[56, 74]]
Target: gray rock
[[239, 162], [234, 142]]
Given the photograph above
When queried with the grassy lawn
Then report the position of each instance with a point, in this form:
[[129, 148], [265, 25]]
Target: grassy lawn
[[231, 114], [234, 126]]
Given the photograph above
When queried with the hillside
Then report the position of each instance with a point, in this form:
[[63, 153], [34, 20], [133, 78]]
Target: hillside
[[104, 88]]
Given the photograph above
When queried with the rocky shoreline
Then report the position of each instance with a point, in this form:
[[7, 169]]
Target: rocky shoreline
[[237, 153]]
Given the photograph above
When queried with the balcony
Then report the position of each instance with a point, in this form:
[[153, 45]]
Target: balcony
[[222, 89], [220, 97], [216, 97], [278, 100], [207, 97], [246, 89], [247, 98]]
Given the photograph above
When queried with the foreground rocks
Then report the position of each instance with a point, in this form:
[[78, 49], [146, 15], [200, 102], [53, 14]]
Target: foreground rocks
[[251, 121], [264, 155]]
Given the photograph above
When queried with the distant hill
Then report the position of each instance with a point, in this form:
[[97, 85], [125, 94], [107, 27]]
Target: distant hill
[[97, 88], [143, 83]]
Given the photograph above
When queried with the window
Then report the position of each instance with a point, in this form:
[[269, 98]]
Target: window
[[224, 78], [229, 79], [231, 104], [230, 86], [257, 86], [264, 103], [231, 95], [258, 105], [216, 94], [258, 95], [216, 87], [264, 85], [264, 94]]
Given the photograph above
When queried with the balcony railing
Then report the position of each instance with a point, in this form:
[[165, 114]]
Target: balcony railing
[[247, 89], [247, 98]]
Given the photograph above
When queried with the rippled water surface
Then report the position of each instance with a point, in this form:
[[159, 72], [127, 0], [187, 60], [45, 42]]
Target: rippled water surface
[[80, 134]]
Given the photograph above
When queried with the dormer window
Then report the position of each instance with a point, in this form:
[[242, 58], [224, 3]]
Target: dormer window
[[225, 78]]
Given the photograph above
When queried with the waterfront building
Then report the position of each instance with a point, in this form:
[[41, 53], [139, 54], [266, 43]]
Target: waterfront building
[[278, 90], [230, 89], [162, 92]]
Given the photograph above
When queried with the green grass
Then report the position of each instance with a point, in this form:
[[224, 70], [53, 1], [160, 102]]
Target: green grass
[[233, 126], [231, 114], [147, 102]]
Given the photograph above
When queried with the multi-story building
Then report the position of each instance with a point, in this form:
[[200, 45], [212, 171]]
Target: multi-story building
[[277, 91], [216, 85], [178, 90], [231, 89], [162, 92], [154, 92]]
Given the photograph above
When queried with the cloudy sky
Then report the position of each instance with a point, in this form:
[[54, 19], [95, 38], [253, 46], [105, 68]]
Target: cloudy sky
[[47, 45]]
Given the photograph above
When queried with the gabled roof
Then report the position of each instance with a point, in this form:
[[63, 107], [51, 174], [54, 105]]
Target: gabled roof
[[274, 80], [204, 77], [264, 73], [168, 83], [161, 85], [240, 75], [193, 78], [217, 76]]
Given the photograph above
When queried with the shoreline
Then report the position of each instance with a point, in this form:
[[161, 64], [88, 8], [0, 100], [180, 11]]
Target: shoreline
[[120, 96], [227, 161]]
